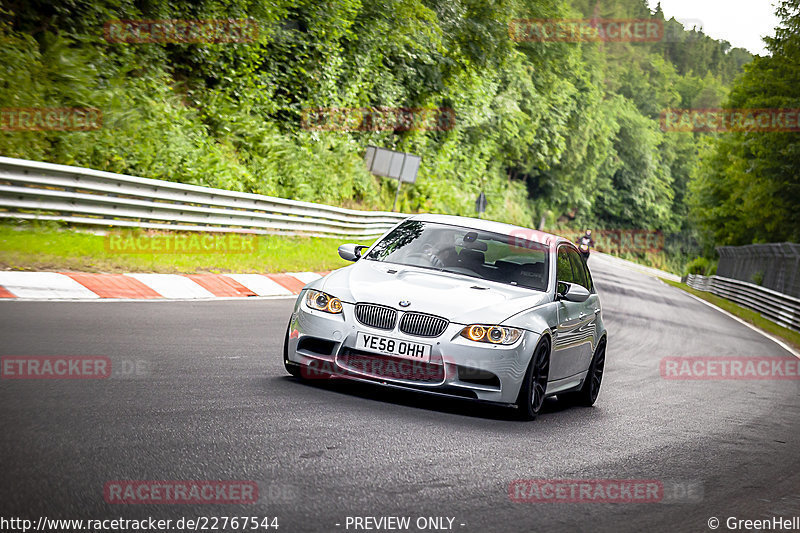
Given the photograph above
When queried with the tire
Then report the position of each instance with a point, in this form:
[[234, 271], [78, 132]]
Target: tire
[[291, 368], [587, 395], [534, 387]]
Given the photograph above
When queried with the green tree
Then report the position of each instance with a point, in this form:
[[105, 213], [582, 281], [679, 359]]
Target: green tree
[[747, 188]]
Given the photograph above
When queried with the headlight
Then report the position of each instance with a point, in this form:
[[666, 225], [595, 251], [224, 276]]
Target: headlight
[[323, 302], [491, 334]]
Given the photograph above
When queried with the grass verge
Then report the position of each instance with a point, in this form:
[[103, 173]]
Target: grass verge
[[748, 315], [52, 247]]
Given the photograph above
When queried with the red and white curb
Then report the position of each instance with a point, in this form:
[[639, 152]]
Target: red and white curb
[[83, 286]]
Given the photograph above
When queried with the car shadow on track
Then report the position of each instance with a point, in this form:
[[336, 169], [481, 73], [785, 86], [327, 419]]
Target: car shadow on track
[[420, 400]]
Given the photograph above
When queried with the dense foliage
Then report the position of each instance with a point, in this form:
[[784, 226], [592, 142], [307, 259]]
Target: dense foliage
[[747, 187], [567, 133]]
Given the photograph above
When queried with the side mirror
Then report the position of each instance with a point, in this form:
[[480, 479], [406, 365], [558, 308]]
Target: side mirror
[[572, 292], [351, 252]]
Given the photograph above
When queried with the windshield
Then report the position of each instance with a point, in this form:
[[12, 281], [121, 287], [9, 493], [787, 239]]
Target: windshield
[[474, 253]]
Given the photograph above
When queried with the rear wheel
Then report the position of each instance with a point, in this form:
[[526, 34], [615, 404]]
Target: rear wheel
[[292, 368], [534, 386], [591, 385]]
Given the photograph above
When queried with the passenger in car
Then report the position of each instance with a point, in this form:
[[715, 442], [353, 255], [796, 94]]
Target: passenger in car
[[471, 259]]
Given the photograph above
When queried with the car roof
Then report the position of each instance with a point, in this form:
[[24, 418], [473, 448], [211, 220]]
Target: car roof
[[494, 227]]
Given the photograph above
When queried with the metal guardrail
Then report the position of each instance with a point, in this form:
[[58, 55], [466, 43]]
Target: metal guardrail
[[45, 191], [773, 305], [777, 265]]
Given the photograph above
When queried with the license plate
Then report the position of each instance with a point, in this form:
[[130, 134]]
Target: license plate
[[393, 347]]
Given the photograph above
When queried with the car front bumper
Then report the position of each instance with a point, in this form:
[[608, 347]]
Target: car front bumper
[[324, 346]]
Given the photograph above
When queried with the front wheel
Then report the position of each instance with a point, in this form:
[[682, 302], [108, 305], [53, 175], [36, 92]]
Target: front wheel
[[534, 386], [591, 385]]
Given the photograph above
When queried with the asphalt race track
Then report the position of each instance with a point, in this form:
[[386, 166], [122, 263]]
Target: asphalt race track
[[202, 395]]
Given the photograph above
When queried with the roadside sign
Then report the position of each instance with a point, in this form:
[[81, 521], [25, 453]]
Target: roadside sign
[[396, 165], [391, 164]]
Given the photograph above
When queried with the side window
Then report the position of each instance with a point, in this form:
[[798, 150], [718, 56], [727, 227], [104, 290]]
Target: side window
[[578, 268], [563, 267]]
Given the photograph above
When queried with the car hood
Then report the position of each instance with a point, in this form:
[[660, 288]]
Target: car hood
[[459, 299]]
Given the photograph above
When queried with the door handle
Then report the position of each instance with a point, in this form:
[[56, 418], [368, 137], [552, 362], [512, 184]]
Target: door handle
[[582, 315]]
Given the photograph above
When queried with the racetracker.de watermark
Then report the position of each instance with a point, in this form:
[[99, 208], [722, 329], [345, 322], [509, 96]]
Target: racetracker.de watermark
[[586, 491], [181, 243], [177, 31], [387, 367], [378, 119], [731, 120], [730, 368], [73, 367], [618, 241], [180, 492], [55, 367], [50, 119], [585, 30]]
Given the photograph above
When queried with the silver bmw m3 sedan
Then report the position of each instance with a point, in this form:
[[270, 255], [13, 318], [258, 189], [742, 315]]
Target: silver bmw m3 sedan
[[459, 307]]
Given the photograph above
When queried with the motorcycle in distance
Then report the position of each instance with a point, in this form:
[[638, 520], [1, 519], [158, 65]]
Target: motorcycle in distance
[[585, 244]]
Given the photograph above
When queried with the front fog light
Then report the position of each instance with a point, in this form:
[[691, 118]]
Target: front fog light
[[491, 334], [323, 302]]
